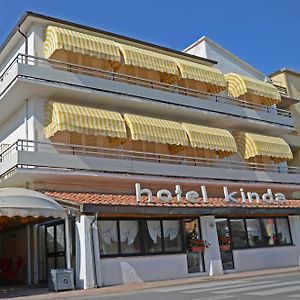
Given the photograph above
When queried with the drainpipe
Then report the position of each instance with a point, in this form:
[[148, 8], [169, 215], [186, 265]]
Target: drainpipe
[[26, 43]]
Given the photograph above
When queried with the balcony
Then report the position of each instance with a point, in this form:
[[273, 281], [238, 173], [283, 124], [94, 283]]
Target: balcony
[[34, 76], [34, 157]]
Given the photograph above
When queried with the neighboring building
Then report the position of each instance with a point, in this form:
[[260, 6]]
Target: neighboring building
[[144, 147]]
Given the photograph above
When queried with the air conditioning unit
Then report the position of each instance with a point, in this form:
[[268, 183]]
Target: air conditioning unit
[[61, 280]]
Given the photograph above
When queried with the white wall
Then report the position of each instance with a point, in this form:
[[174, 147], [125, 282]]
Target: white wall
[[16, 127], [265, 258], [143, 268], [226, 63]]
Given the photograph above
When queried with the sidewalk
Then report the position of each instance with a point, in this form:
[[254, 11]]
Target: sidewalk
[[37, 293]]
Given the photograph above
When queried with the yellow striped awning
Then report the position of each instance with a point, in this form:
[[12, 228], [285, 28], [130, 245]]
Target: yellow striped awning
[[156, 130], [60, 38], [148, 59], [85, 120], [210, 138], [251, 145], [238, 85], [202, 73]]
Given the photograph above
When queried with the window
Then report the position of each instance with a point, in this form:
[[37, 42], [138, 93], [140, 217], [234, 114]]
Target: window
[[283, 236], [138, 237], [254, 232], [238, 233], [172, 236], [108, 237], [129, 236], [152, 236], [260, 232]]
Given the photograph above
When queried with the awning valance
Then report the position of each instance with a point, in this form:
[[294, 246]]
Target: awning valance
[[156, 130], [251, 145], [210, 138], [148, 59], [85, 120], [28, 203], [202, 73], [60, 38], [238, 85]]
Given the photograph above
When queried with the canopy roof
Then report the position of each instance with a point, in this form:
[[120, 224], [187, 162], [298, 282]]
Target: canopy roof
[[24, 203]]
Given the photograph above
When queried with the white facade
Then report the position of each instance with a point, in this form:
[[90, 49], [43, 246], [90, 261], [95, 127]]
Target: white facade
[[35, 162]]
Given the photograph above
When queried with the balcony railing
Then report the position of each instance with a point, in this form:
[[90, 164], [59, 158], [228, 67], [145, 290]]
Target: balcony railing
[[80, 69], [78, 150]]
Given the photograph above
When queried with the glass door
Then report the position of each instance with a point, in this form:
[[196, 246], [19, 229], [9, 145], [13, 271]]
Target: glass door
[[225, 243], [195, 261], [55, 246]]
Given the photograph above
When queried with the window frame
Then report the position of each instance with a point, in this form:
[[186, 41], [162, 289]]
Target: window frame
[[143, 251], [260, 223]]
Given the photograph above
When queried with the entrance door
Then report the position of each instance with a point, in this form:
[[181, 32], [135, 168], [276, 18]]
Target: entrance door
[[225, 243], [55, 246]]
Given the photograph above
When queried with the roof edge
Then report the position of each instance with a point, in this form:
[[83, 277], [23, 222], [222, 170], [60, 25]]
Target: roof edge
[[93, 29], [285, 70], [208, 40]]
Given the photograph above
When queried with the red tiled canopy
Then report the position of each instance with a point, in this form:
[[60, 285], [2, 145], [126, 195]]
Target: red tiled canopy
[[130, 200]]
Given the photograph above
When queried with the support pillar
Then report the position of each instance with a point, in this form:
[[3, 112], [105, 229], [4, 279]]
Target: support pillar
[[35, 255], [295, 232], [68, 251], [212, 255], [85, 269]]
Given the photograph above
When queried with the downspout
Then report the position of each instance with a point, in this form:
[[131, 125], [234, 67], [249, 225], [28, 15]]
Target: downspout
[[93, 250], [26, 43]]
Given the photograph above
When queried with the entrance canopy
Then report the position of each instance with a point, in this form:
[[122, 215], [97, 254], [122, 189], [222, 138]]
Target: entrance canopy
[[27, 203]]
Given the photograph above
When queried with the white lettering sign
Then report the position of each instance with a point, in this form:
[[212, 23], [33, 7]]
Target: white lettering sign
[[195, 197]]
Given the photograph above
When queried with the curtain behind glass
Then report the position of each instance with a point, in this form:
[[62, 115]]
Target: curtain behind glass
[[283, 232]]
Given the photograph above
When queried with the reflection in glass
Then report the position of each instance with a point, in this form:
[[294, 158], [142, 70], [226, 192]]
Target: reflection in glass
[[172, 235], [283, 232], [60, 238], [254, 232], [268, 232], [130, 237], [152, 236], [238, 232], [108, 237], [50, 239]]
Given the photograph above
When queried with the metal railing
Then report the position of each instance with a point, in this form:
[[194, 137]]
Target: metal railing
[[80, 150], [80, 69]]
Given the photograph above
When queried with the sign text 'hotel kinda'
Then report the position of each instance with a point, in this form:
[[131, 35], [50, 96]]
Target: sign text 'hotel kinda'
[[195, 197]]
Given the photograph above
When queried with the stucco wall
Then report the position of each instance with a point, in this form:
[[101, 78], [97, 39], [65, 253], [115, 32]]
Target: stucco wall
[[143, 268], [226, 63]]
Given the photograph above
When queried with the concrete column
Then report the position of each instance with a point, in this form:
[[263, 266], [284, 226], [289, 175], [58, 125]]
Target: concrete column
[[212, 256], [68, 246], [97, 254], [85, 269], [295, 232]]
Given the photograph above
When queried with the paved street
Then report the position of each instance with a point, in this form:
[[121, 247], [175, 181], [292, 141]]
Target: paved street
[[268, 287]]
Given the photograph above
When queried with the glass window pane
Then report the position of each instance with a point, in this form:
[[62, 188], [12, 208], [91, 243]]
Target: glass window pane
[[50, 239], [194, 258], [152, 236], [130, 237], [283, 232], [238, 233], [60, 238], [108, 237], [224, 239], [172, 236], [254, 232], [268, 232]]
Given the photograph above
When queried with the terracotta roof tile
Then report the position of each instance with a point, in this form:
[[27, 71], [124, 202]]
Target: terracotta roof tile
[[130, 200]]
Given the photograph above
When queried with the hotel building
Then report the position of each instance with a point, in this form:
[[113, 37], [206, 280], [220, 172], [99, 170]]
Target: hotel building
[[131, 162]]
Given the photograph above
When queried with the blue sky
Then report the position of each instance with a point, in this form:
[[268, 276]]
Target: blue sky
[[264, 33]]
